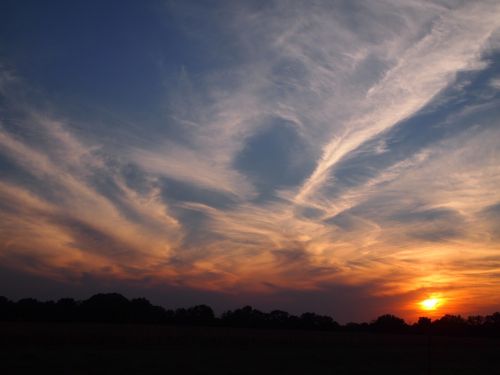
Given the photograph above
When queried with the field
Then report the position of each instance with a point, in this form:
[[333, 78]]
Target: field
[[69, 348]]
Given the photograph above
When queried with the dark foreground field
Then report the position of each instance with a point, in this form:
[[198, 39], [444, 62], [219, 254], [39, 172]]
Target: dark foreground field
[[70, 348]]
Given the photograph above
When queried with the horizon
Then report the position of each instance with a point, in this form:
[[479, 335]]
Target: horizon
[[337, 157], [113, 296]]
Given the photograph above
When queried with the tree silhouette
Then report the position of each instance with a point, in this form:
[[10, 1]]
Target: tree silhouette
[[450, 324], [389, 323], [6, 309], [317, 322], [196, 315], [109, 308], [115, 308], [244, 317], [423, 325]]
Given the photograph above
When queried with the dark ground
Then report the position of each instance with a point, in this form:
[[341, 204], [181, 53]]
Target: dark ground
[[72, 348]]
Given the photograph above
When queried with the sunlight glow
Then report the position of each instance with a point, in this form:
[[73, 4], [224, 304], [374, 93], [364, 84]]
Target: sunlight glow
[[431, 303]]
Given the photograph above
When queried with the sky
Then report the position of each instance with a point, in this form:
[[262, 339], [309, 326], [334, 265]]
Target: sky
[[341, 157]]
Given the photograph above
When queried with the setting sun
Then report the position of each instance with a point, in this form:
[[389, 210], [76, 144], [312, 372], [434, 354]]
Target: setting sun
[[431, 303]]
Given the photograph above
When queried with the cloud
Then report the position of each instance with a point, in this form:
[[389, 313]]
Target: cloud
[[495, 83], [67, 215], [423, 71], [7, 77], [317, 149], [187, 165]]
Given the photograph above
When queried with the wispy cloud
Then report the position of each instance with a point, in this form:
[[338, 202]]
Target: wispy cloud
[[68, 216], [423, 70], [393, 157]]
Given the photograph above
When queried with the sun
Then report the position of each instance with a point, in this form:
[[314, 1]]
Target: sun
[[431, 303]]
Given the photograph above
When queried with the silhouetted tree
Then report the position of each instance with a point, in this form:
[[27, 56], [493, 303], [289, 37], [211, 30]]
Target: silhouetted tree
[[423, 325], [356, 327], [314, 321], [244, 317], [450, 324], [389, 323], [66, 310], [279, 319], [28, 309], [109, 308], [492, 320], [492, 324], [200, 315], [115, 308], [475, 324], [196, 315], [6, 309], [142, 311]]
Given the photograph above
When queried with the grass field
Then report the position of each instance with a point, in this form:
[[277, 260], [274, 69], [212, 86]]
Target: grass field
[[60, 348]]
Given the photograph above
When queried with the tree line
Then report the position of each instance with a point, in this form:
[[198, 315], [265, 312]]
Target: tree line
[[115, 308]]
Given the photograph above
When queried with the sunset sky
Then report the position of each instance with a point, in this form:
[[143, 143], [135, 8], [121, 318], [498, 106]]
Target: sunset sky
[[341, 157]]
